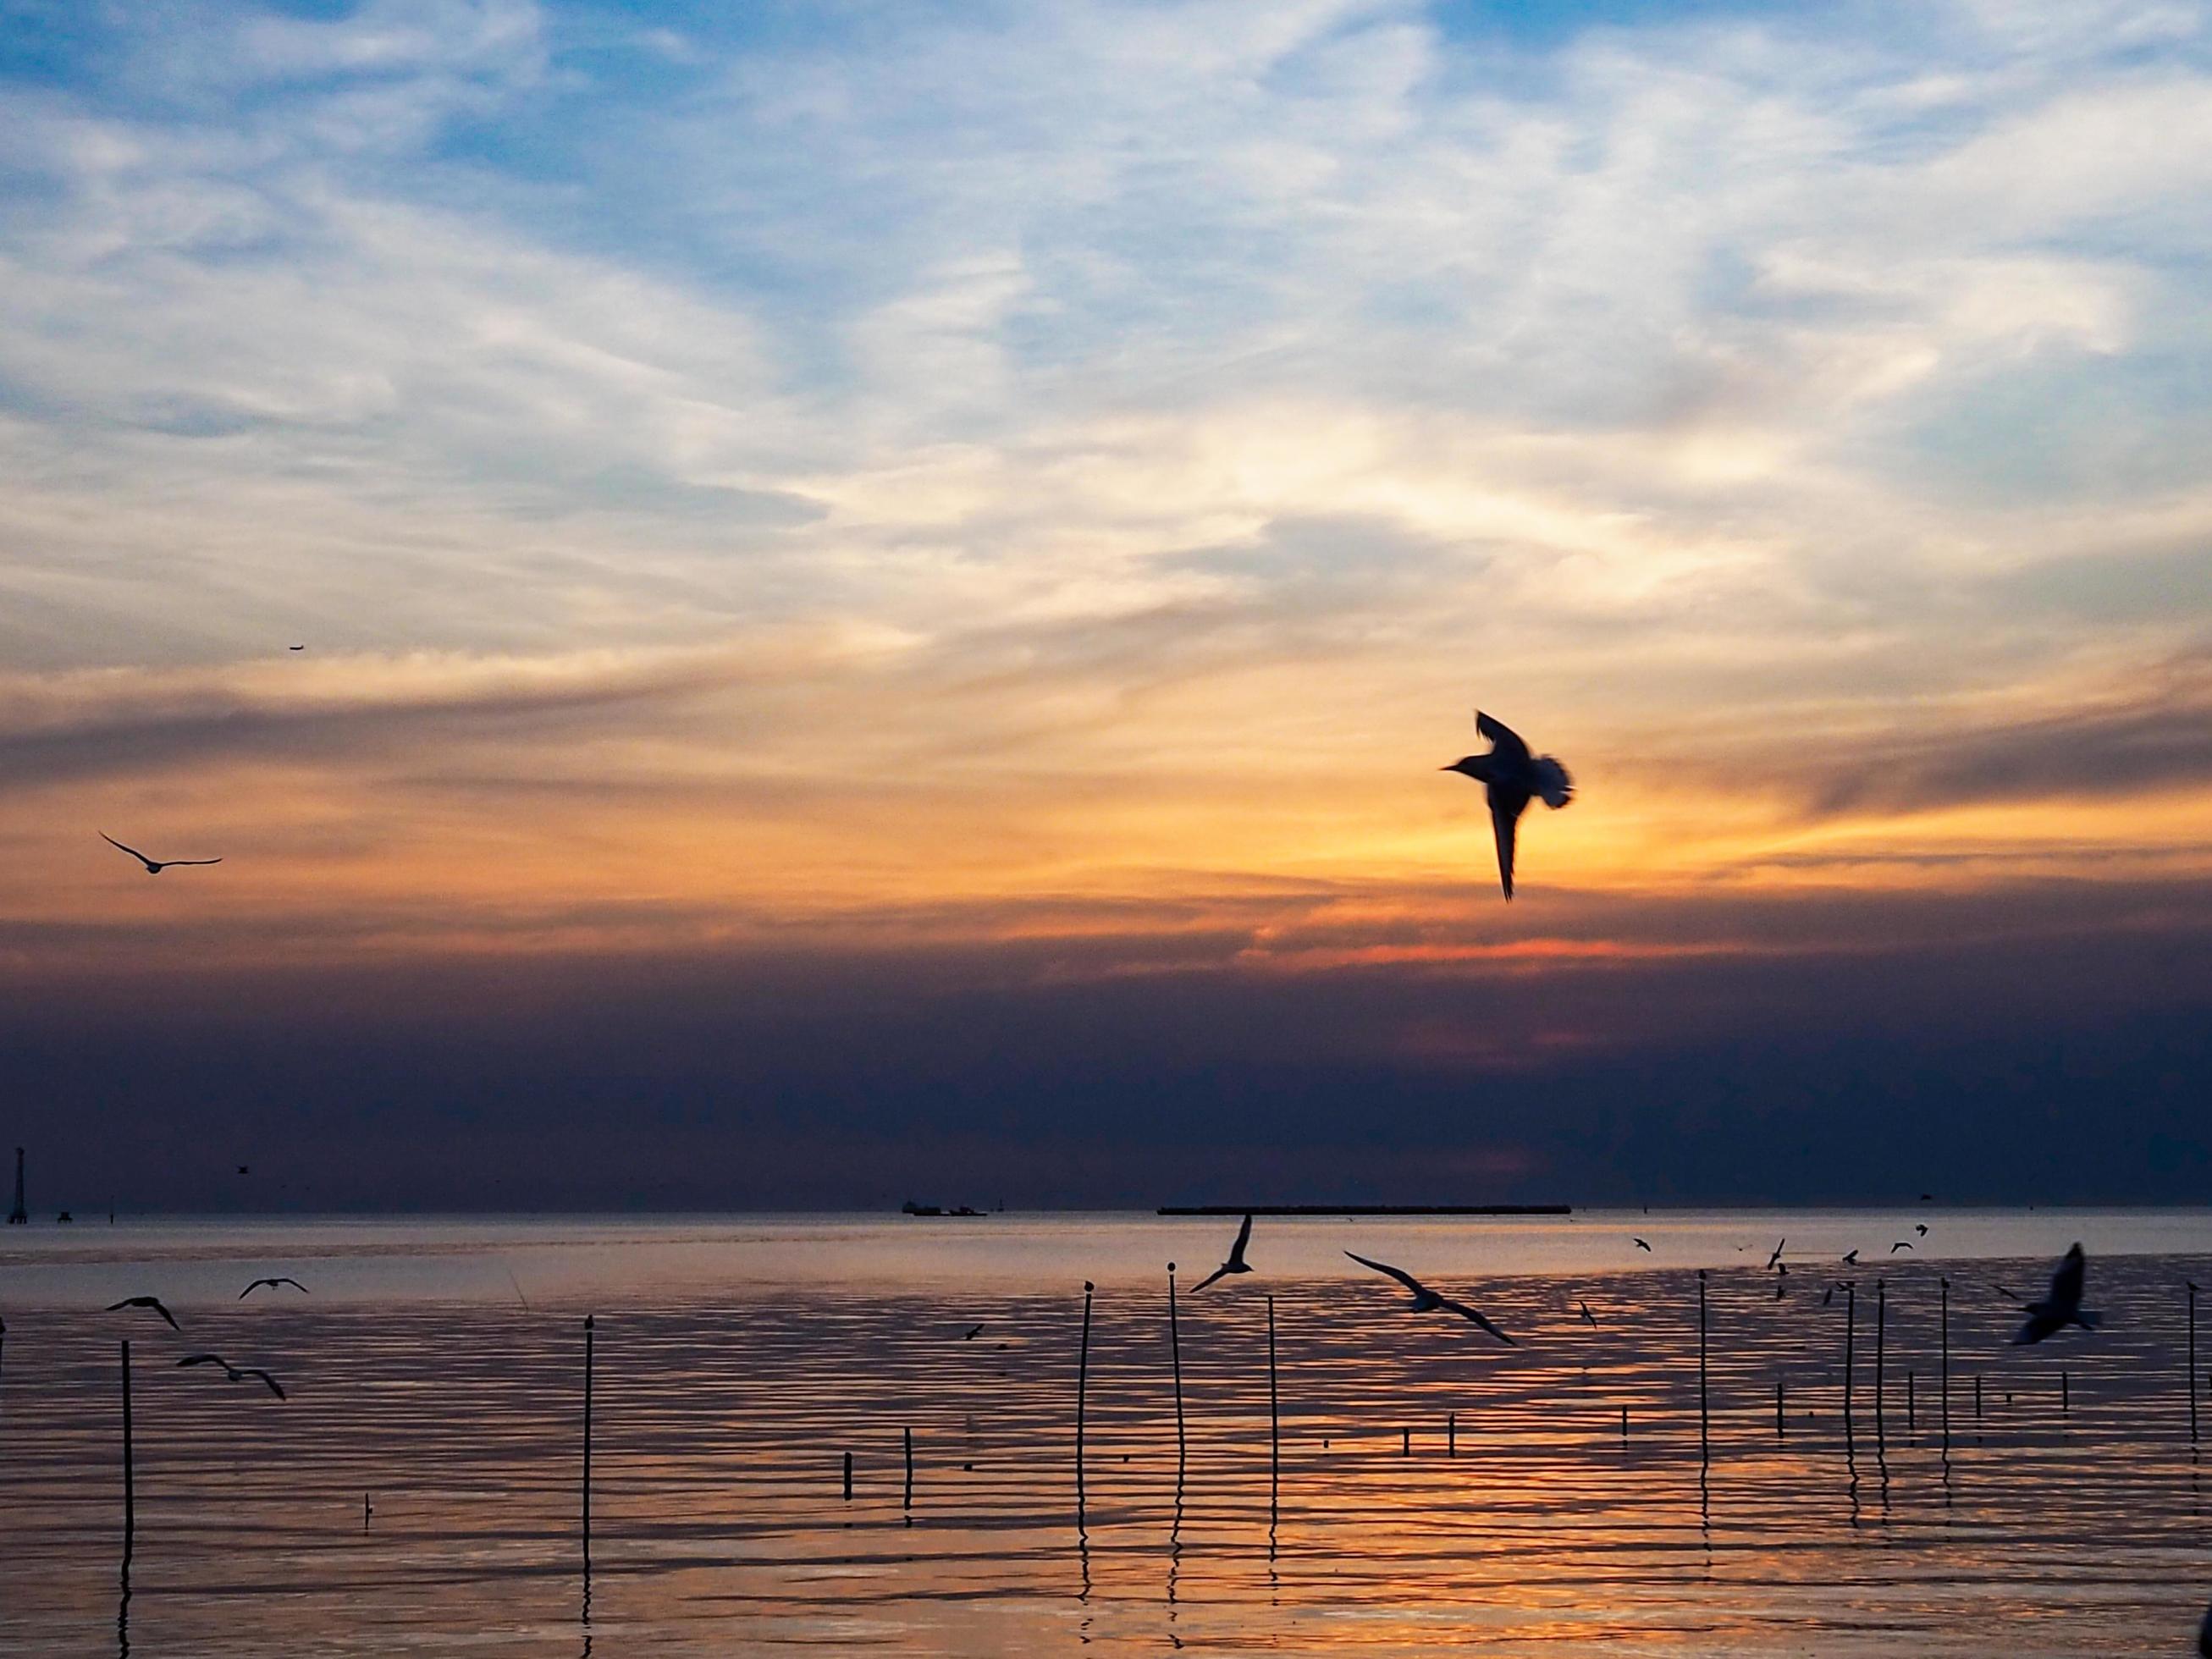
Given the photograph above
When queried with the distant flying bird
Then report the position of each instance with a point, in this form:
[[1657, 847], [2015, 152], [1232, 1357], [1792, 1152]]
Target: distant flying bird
[[272, 1284], [1827, 1296], [1510, 777], [1774, 1261], [971, 1333], [1427, 1301], [2062, 1306], [1587, 1318], [154, 866], [1851, 1257], [243, 1169], [1641, 1245], [1920, 1227], [2010, 1296], [295, 647], [1901, 1244], [235, 1373], [1236, 1264], [153, 1302]]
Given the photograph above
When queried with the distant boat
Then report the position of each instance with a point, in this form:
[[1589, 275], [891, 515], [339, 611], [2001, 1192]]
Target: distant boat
[[912, 1208]]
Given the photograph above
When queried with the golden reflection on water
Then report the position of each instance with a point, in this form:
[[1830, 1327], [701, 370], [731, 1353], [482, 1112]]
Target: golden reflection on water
[[1436, 1490]]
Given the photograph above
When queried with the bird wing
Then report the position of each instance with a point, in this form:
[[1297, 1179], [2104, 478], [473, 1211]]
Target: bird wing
[[1502, 821], [1243, 1238], [155, 1303], [1901, 1244], [1639, 1245], [204, 1359], [293, 1283], [254, 1286], [1398, 1273], [1851, 1256], [1466, 1312], [166, 863], [1551, 781], [2066, 1283], [269, 1380], [1503, 740], [133, 851], [1209, 1278], [2041, 1322]]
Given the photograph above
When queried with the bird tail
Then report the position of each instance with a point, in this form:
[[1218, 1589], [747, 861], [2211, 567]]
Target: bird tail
[[1552, 782]]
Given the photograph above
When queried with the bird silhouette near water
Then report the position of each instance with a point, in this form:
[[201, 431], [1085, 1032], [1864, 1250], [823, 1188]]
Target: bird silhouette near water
[[2061, 1305], [1236, 1264], [1427, 1301], [272, 1284], [154, 866], [1511, 777], [235, 1373], [152, 1302]]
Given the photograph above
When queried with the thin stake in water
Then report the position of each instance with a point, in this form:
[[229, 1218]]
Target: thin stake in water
[[1881, 1331], [907, 1502], [1944, 1388], [1082, 1386], [587, 1442], [1704, 1446], [1274, 1422], [1175, 1353], [848, 1476], [130, 1477], [2189, 1378]]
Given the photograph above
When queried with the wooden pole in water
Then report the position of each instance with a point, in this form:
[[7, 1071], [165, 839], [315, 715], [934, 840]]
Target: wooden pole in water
[[1274, 1418], [1081, 1387], [2191, 1378], [1451, 1434], [1175, 1352], [848, 1476], [1705, 1445], [129, 1478], [2065, 1393], [1780, 1429], [1943, 1390], [1912, 1409], [1978, 1396], [1405, 1443], [907, 1502], [587, 1438], [1880, 1329], [1851, 1334], [1624, 1427]]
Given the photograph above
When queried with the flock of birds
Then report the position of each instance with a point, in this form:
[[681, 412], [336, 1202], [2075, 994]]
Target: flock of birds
[[2060, 1307], [232, 1373], [1510, 776]]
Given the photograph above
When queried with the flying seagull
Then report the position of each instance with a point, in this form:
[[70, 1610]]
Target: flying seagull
[[272, 1284], [1510, 777], [1587, 1319], [154, 866], [971, 1333], [153, 1302], [235, 1373], [1774, 1261], [1642, 1246], [1850, 1257], [1901, 1244], [1427, 1301], [2061, 1305], [1236, 1264], [295, 647], [1920, 1227]]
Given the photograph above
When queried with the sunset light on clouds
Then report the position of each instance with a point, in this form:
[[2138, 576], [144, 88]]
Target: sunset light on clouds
[[885, 587]]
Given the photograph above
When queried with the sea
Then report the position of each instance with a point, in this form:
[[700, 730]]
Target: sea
[[1003, 1435]]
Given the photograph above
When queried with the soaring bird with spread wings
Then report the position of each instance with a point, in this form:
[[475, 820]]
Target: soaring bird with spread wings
[[1236, 1264], [1427, 1301], [154, 866], [2062, 1305], [1511, 777]]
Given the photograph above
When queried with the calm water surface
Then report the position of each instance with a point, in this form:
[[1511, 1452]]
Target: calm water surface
[[1432, 1491]]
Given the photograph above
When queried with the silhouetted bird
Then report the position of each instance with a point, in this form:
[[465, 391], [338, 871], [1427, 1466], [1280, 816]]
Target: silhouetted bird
[[1587, 1319], [1427, 1301], [295, 647], [235, 1373], [1920, 1227], [272, 1284], [2062, 1306], [1851, 1257], [1901, 1244], [1827, 1296], [2013, 1297], [244, 1170], [972, 1333], [154, 866], [153, 1302], [1774, 1261], [1510, 777], [1641, 1245], [1236, 1264]]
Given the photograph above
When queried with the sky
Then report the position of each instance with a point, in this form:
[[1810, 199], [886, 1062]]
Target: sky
[[886, 587]]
